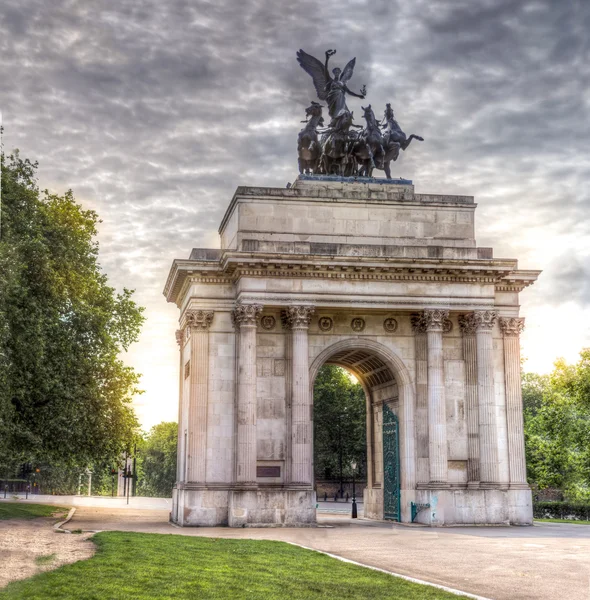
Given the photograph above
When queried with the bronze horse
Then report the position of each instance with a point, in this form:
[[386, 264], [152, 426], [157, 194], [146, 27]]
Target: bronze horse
[[394, 135], [373, 150], [308, 146], [336, 142]]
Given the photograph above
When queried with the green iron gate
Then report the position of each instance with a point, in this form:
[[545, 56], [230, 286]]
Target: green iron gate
[[391, 472]]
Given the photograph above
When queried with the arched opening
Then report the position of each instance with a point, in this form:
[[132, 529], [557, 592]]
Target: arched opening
[[388, 421]]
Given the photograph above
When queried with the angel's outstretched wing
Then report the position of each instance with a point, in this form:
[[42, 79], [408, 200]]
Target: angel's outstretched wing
[[317, 71], [348, 71]]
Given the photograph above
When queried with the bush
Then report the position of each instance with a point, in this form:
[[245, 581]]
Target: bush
[[573, 511]]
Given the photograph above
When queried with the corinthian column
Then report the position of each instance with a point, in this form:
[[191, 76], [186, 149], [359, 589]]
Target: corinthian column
[[245, 318], [489, 468], [199, 322], [179, 448], [421, 356], [468, 327], [298, 318], [437, 414], [511, 330]]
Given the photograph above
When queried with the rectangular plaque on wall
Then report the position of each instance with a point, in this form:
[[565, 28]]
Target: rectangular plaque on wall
[[269, 471]]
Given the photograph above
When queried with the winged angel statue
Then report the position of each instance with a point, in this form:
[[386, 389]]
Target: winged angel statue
[[342, 151], [333, 90]]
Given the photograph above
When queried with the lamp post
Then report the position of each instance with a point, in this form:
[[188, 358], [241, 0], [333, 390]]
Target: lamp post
[[354, 510]]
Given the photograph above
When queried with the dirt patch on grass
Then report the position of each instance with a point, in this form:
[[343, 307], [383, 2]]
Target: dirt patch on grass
[[28, 547]]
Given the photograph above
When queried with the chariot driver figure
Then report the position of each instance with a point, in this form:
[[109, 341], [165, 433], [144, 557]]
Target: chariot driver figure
[[333, 90]]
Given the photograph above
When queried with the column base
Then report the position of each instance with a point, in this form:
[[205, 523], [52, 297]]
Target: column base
[[243, 506], [475, 507]]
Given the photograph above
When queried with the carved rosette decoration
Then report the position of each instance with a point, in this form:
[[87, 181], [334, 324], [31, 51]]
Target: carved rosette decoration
[[390, 325], [180, 337], [199, 319], [435, 318], [468, 324], [246, 315], [268, 322], [512, 326], [325, 324], [357, 324], [418, 324], [485, 319], [447, 326], [298, 317]]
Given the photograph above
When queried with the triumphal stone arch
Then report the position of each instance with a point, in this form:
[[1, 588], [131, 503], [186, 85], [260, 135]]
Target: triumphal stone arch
[[389, 284]]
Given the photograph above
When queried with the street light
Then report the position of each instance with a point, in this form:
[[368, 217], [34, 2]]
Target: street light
[[354, 511]]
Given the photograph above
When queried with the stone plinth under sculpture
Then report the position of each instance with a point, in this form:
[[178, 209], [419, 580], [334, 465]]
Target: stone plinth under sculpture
[[378, 279]]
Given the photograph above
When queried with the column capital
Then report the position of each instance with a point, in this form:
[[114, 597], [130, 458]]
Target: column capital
[[485, 319], [434, 319], [511, 326], [180, 337], [246, 315], [199, 319], [297, 317], [468, 324], [418, 323]]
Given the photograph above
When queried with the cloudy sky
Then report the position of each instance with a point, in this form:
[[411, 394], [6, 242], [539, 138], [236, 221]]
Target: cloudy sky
[[153, 112]]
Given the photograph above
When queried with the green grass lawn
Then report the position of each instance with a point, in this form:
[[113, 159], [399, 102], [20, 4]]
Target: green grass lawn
[[571, 521], [20, 510], [139, 566]]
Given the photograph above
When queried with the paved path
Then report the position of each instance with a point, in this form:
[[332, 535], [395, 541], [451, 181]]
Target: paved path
[[544, 562]]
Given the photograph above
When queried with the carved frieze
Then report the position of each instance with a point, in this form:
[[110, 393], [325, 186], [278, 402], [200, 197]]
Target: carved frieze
[[325, 324], [357, 324], [268, 322], [390, 325], [297, 317], [246, 315], [199, 319], [512, 326]]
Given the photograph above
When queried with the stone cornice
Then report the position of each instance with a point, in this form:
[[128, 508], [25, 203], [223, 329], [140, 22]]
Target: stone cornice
[[501, 273], [246, 315], [511, 326]]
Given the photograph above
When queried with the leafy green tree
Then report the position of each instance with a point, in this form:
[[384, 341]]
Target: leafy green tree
[[157, 461], [557, 428], [65, 395], [339, 415]]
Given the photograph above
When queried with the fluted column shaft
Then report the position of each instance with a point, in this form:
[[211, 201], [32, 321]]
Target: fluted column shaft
[[179, 449], [421, 356], [246, 317], [199, 322], [437, 421], [468, 326], [488, 427], [298, 318], [511, 330]]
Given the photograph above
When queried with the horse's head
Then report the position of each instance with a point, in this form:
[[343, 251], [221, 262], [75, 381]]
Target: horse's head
[[314, 110], [369, 115]]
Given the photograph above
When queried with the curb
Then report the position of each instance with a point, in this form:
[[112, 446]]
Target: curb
[[58, 526], [411, 579]]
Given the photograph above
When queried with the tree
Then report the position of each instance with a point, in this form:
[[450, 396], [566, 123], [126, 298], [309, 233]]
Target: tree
[[557, 428], [157, 461], [65, 395], [339, 424]]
